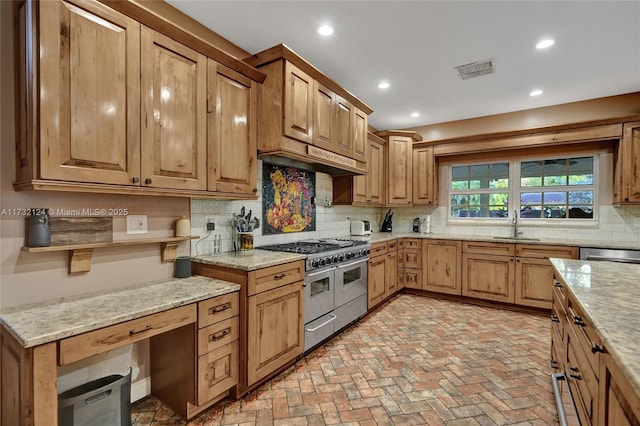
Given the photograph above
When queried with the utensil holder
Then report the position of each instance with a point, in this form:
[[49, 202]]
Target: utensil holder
[[244, 241]]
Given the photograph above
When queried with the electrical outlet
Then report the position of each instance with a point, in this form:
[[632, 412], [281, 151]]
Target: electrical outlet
[[137, 224], [211, 226]]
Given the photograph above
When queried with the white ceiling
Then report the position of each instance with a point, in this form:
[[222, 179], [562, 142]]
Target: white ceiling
[[415, 45]]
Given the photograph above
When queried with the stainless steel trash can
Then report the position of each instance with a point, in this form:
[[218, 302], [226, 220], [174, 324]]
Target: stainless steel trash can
[[101, 402]]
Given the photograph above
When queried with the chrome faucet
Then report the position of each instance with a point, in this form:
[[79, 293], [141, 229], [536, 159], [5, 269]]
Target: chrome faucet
[[515, 224]]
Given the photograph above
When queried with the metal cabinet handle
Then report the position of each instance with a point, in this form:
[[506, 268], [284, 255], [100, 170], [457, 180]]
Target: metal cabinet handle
[[575, 376], [557, 284], [135, 179], [219, 308], [148, 181], [279, 276], [219, 335], [578, 321], [146, 328], [596, 348], [554, 318], [562, 416]]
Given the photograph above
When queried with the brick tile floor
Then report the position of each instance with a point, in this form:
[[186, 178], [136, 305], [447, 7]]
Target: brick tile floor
[[414, 361]]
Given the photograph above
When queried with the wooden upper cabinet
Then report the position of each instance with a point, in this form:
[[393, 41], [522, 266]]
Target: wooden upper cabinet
[[627, 184], [424, 181], [344, 130], [231, 133], [89, 93], [324, 106], [298, 104], [360, 126], [174, 85], [399, 171], [375, 173]]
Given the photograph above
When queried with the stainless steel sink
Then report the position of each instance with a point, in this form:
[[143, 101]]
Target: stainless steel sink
[[516, 238]]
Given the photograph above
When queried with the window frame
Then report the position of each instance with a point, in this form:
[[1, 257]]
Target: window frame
[[515, 189]]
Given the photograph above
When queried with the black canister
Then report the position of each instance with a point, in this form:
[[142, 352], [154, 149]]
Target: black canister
[[182, 267], [39, 228]]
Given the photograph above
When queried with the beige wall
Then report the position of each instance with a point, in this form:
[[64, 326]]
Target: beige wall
[[30, 277]]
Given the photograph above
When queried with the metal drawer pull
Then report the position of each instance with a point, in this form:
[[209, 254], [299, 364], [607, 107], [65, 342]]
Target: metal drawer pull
[[596, 348], [574, 369], [219, 335], [147, 328], [557, 284], [578, 321], [219, 308], [554, 318], [279, 276], [575, 376], [333, 317]]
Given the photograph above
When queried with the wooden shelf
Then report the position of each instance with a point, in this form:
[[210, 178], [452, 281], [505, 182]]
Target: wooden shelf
[[80, 254]]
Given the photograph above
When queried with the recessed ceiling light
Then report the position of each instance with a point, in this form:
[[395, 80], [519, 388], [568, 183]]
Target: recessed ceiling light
[[325, 30], [415, 114], [536, 92], [545, 43], [384, 85]]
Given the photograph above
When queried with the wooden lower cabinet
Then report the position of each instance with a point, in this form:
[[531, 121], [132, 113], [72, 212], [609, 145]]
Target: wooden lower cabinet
[[275, 330], [618, 403], [441, 266], [488, 276], [382, 272]]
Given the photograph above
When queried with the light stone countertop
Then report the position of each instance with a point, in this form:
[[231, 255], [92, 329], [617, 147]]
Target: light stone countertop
[[377, 237], [608, 294], [249, 261], [39, 323]]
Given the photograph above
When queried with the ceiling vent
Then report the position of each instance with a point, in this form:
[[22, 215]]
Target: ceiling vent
[[476, 69]]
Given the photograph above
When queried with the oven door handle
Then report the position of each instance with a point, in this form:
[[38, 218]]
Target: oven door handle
[[352, 263], [333, 318], [324, 271], [613, 259]]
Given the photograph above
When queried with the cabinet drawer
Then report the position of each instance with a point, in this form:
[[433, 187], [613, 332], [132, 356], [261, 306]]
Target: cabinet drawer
[[411, 278], [217, 372], [583, 381], [217, 309], [559, 292], [378, 249], [217, 335], [275, 276], [545, 252], [392, 245], [105, 339], [504, 249], [410, 259], [413, 243], [585, 334]]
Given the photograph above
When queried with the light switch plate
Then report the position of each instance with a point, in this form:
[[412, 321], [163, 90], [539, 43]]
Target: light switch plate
[[137, 224]]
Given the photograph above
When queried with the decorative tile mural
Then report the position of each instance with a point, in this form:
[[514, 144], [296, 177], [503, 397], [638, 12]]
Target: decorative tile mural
[[287, 199]]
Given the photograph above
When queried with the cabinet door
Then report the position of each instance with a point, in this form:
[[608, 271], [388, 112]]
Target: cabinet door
[[441, 266], [534, 278], [375, 173], [423, 176], [343, 125], [376, 275], [360, 126], [298, 104], [89, 93], [360, 188], [275, 327], [619, 403], [391, 279], [488, 276], [231, 131], [399, 173], [174, 84], [630, 172], [324, 106]]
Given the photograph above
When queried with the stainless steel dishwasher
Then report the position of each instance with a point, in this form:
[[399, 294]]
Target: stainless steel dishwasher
[[611, 255]]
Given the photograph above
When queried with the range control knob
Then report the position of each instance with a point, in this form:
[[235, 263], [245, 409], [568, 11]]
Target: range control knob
[[334, 258], [363, 252], [315, 263], [322, 262], [341, 257], [348, 255]]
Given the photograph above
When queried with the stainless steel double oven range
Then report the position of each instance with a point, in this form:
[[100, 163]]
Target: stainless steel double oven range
[[335, 284]]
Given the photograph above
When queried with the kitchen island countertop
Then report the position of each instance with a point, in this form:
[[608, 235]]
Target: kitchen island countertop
[[607, 293], [249, 261], [40, 323]]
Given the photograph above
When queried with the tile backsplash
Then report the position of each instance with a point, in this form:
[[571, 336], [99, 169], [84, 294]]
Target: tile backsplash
[[619, 224]]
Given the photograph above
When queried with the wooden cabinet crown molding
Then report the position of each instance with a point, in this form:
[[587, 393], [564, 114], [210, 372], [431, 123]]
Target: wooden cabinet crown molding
[[282, 51], [405, 133], [149, 16]]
